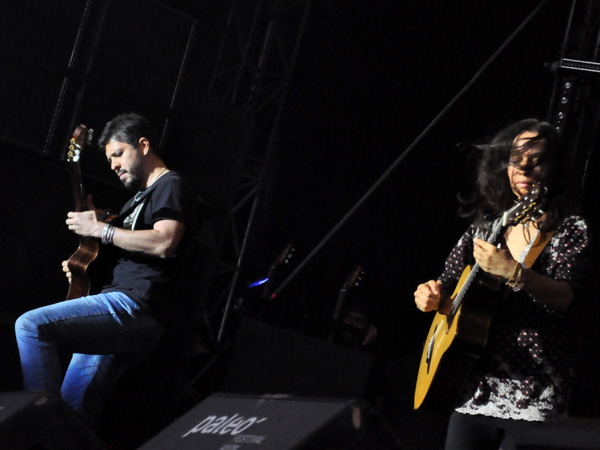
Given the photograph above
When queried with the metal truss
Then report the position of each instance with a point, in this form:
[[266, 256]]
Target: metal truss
[[574, 106], [253, 70]]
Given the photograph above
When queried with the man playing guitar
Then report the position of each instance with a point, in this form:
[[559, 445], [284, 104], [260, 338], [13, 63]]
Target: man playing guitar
[[148, 289]]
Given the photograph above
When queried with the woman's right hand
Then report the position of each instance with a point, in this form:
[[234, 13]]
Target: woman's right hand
[[65, 267], [428, 296]]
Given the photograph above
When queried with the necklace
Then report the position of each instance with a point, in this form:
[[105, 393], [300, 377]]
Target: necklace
[[138, 196], [159, 175]]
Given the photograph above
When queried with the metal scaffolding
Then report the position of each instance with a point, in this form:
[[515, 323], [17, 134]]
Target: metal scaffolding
[[573, 107], [255, 63]]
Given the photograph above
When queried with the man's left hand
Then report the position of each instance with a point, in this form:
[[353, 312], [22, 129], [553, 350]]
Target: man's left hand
[[85, 224]]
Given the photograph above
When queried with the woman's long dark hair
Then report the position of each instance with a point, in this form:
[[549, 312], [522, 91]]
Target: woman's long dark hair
[[493, 194]]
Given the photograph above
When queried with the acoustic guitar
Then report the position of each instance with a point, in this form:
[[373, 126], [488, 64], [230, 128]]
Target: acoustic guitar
[[352, 280], [284, 258], [88, 249], [457, 339]]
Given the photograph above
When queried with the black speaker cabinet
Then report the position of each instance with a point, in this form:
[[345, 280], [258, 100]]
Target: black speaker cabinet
[[238, 422], [41, 421], [566, 434], [273, 360]]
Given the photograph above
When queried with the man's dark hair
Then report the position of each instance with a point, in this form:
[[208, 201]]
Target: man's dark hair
[[129, 128]]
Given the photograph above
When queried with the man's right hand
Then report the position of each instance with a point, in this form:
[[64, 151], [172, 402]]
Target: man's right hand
[[65, 267], [428, 296]]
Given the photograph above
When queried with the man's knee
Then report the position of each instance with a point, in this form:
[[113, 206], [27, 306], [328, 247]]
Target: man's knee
[[23, 325], [27, 325]]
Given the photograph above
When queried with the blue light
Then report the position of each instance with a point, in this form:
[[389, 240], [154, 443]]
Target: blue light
[[258, 283]]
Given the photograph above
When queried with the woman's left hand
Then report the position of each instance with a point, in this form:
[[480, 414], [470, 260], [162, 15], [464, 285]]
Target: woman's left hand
[[493, 260]]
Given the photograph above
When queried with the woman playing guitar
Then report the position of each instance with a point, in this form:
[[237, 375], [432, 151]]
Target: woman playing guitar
[[524, 371]]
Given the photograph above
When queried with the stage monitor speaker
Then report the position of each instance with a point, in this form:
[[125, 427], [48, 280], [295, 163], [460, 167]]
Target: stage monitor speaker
[[236, 422], [268, 359], [564, 434], [41, 421]]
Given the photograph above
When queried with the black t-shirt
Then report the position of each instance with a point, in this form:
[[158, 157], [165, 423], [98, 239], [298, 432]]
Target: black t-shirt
[[152, 281]]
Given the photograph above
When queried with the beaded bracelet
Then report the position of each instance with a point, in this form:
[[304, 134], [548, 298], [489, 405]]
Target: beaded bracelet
[[518, 277], [523, 276], [516, 273]]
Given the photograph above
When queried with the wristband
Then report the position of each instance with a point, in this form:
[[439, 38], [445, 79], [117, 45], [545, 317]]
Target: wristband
[[107, 234]]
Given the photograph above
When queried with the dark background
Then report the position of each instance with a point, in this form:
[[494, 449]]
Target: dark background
[[370, 77]]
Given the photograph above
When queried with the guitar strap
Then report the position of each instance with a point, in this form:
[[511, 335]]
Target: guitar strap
[[536, 250], [138, 200]]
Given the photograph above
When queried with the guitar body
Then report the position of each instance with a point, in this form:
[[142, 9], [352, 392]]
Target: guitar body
[[457, 339], [78, 263], [83, 264], [453, 344]]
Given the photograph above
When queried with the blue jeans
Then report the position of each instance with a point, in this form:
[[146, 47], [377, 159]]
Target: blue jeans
[[104, 333]]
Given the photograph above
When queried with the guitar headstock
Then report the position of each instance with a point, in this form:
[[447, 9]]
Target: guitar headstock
[[526, 208], [284, 257], [354, 278], [82, 136]]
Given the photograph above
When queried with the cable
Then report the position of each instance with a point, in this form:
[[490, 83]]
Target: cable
[[407, 151]]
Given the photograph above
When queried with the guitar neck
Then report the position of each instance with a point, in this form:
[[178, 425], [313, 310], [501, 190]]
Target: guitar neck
[[493, 239], [77, 186], [81, 136]]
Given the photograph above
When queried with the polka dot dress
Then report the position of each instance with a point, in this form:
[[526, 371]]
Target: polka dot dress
[[526, 367]]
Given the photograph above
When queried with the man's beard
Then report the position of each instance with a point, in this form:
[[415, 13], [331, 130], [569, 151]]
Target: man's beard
[[133, 178], [132, 183]]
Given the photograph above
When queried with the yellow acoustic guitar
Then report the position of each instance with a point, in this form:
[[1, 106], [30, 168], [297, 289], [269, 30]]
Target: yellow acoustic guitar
[[459, 334]]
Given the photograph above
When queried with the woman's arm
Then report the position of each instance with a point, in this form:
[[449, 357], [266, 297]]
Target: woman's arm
[[555, 294]]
